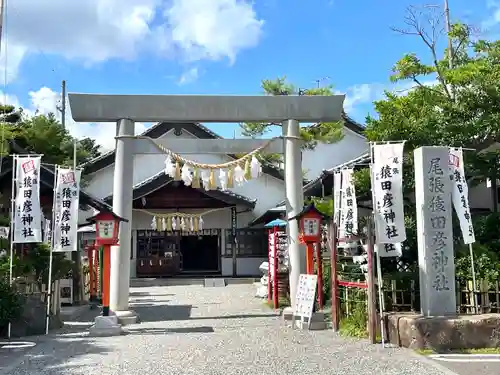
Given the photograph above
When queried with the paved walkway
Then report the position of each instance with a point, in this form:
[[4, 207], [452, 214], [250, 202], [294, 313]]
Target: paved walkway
[[471, 364], [196, 330]]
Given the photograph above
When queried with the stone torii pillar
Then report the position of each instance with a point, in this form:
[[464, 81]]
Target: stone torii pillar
[[127, 109], [123, 185]]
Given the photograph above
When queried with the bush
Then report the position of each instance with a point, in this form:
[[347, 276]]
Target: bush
[[355, 324], [486, 262], [11, 303]]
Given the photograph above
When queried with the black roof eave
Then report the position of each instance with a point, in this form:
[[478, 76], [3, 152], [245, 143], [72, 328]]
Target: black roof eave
[[161, 179]]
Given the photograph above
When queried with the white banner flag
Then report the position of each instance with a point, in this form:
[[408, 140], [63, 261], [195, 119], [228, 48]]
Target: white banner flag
[[388, 250], [27, 215], [4, 233], [337, 189], [388, 205], [460, 195], [349, 208], [66, 207], [47, 231]]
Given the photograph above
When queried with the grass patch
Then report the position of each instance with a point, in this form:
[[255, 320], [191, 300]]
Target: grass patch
[[354, 325], [349, 328], [460, 351]]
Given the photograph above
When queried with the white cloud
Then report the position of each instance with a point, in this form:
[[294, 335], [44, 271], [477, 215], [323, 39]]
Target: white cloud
[[9, 67], [9, 99], [494, 17], [93, 31], [45, 101], [188, 76], [213, 29]]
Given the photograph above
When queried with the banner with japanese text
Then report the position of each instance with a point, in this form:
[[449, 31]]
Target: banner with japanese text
[[387, 186], [389, 250], [460, 195], [348, 225], [66, 207], [47, 230], [27, 215]]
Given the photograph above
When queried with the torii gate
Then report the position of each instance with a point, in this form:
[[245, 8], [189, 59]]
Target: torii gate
[[125, 110]]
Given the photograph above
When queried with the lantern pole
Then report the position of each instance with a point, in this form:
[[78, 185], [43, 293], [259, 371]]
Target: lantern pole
[[310, 257], [275, 269], [106, 266], [269, 287], [101, 272], [319, 260]]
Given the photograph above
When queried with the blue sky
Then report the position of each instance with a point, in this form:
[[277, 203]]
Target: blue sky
[[350, 42]]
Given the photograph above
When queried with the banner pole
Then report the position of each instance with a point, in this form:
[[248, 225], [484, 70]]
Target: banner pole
[[380, 279], [12, 228], [49, 282], [474, 284]]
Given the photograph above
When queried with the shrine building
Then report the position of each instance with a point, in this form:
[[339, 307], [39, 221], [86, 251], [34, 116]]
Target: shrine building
[[168, 237]]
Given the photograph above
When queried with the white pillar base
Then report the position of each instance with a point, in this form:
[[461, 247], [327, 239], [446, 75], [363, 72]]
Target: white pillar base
[[105, 326], [317, 322], [126, 317], [287, 313]]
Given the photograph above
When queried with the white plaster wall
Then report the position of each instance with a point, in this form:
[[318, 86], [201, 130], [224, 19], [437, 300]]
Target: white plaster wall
[[327, 156], [226, 266], [249, 266], [244, 266]]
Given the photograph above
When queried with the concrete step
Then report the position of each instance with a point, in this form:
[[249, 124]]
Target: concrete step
[[148, 282]]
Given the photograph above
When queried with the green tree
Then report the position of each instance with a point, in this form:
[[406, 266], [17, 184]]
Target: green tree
[[9, 114], [44, 134], [330, 132], [457, 105]]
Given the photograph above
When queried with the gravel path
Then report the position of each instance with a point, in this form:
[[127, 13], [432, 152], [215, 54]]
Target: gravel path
[[209, 331]]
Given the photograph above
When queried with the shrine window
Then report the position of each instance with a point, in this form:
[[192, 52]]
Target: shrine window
[[251, 242], [229, 244], [152, 243]]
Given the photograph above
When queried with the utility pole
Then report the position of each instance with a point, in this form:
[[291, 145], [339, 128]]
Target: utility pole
[[319, 81], [2, 19], [63, 104], [448, 30], [62, 108]]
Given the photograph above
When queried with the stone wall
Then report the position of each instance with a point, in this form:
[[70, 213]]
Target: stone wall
[[444, 333], [32, 320]]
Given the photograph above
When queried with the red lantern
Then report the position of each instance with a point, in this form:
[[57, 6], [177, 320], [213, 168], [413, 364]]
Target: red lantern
[[310, 234], [310, 224], [107, 225]]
